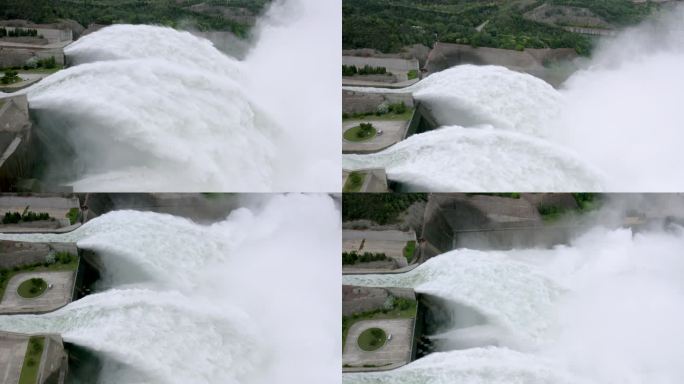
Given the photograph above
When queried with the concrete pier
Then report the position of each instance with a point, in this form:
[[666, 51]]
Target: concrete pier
[[53, 362], [15, 257], [398, 349]]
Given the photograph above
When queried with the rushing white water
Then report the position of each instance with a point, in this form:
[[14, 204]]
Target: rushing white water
[[482, 159], [605, 309], [621, 115], [227, 303], [150, 108]]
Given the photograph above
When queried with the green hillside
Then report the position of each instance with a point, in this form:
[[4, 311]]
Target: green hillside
[[224, 15], [389, 25]]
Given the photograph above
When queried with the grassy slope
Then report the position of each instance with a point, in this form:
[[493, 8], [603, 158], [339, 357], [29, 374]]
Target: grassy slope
[[34, 351]]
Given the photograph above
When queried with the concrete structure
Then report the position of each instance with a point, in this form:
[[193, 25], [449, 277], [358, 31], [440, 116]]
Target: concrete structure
[[59, 293], [532, 61], [395, 352], [17, 142], [57, 206], [354, 102], [398, 67], [18, 254], [492, 222], [374, 180], [364, 299], [53, 363], [20, 51], [389, 242]]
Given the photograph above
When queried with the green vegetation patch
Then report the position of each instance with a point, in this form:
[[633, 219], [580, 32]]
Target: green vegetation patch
[[60, 261], [351, 70], [354, 182], [410, 250], [362, 132], [395, 308], [351, 258], [372, 339], [34, 353], [382, 208], [32, 288], [585, 202], [10, 77], [26, 217], [72, 215], [412, 74]]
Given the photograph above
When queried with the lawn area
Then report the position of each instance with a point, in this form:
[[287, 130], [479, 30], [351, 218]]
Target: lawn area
[[402, 309], [409, 250], [32, 288], [362, 132], [372, 339], [34, 352], [354, 182], [63, 262]]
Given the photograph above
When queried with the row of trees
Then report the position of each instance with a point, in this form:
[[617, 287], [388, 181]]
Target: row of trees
[[351, 258], [16, 217], [17, 32], [351, 70]]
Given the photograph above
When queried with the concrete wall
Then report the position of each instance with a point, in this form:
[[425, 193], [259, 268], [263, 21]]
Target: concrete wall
[[531, 61], [421, 121], [15, 253], [16, 56], [490, 222], [17, 142], [364, 299], [362, 102], [54, 363]]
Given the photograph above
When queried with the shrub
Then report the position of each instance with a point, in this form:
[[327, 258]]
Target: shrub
[[366, 130]]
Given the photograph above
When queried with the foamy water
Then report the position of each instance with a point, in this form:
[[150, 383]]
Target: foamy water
[[150, 108], [605, 309], [225, 303]]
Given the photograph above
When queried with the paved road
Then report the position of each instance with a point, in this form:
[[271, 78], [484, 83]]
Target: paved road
[[54, 298], [394, 353]]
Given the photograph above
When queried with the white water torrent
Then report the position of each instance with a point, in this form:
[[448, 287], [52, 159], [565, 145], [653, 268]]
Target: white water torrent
[[604, 309], [618, 121], [225, 303], [150, 108]]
